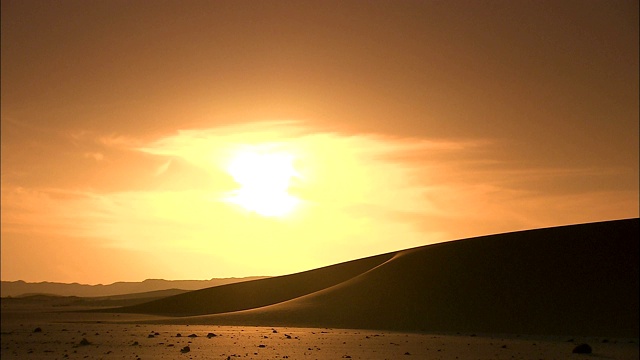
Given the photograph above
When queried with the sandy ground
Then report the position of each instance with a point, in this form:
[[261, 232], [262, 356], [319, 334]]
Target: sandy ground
[[62, 333]]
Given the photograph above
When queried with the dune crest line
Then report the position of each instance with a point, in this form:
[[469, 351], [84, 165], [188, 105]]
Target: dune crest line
[[258, 293]]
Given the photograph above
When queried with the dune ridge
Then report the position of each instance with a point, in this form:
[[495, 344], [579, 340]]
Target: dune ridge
[[257, 293], [574, 280]]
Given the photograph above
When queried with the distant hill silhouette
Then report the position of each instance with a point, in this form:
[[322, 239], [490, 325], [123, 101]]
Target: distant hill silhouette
[[40, 301], [21, 288], [568, 280]]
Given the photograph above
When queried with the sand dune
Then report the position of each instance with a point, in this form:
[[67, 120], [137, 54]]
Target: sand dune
[[577, 280]]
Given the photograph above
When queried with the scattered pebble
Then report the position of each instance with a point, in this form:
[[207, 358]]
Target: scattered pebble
[[582, 349]]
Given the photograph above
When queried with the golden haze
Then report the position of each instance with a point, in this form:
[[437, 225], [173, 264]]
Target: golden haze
[[274, 198]]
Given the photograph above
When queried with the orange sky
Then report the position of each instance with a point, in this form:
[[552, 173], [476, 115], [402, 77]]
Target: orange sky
[[376, 126]]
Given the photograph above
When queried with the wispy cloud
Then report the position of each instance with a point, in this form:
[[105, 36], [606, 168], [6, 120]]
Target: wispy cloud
[[163, 168]]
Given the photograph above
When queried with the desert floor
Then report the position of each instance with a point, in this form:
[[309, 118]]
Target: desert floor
[[127, 336]]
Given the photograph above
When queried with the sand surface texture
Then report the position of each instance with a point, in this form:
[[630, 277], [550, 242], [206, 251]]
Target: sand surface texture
[[62, 334]]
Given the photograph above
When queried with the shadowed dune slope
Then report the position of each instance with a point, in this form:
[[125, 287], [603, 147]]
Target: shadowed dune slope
[[570, 280], [257, 293]]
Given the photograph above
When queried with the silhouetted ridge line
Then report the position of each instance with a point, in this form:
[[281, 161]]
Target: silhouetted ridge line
[[18, 288], [568, 280]]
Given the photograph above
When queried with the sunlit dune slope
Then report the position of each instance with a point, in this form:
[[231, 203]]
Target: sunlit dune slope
[[574, 280], [257, 293]]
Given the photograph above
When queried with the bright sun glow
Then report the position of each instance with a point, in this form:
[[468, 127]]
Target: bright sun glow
[[264, 179]]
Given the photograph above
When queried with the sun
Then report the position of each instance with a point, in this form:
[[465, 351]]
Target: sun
[[264, 178]]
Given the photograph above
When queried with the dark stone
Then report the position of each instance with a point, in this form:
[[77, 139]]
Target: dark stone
[[582, 349], [84, 342], [37, 330], [210, 335], [185, 349], [193, 336]]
